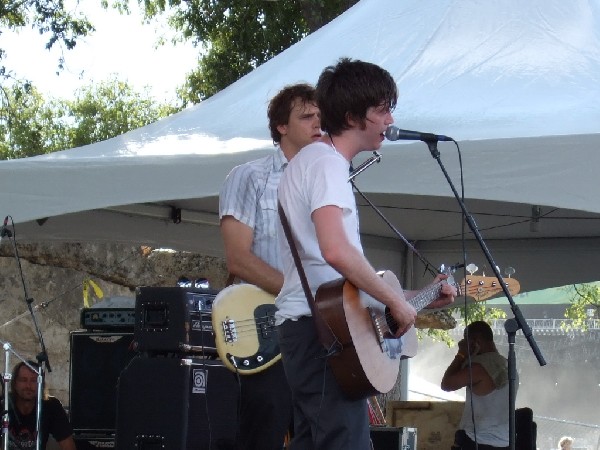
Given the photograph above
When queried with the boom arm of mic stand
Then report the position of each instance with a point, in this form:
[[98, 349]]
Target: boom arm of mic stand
[[512, 325], [372, 160]]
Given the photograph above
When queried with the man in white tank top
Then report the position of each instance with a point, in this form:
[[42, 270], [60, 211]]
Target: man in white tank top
[[484, 372]]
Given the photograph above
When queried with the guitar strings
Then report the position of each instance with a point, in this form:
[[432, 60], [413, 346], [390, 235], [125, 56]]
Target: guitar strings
[[250, 326], [419, 301], [264, 323]]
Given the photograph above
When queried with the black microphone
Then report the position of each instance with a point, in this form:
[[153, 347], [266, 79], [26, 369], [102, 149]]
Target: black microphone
[[396, 134]]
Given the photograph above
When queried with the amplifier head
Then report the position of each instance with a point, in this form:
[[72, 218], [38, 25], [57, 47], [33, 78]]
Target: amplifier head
[[169, 318]]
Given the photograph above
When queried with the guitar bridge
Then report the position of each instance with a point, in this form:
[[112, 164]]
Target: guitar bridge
[[378, 328], [229, 331], [388, 344]]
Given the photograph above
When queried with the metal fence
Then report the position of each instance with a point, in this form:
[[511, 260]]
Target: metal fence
[[550, 430], [558, 327]]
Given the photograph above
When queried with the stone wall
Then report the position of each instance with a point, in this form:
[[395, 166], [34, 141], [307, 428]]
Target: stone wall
[[54, 276], [55, 273]]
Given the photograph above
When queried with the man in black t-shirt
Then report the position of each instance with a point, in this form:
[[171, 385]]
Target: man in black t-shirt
[[23, 409]]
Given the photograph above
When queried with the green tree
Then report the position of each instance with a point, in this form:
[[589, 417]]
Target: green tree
[[473, 312], [109, 109], [236, 36], [31, 125], [584, 297], [49, 17], [26, 121]]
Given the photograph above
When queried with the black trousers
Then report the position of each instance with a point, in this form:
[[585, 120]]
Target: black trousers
[[324, 418], [265, 409], [463, 442]]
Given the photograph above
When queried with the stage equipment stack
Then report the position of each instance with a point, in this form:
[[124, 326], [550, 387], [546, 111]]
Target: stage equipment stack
[[98, 354], [175, 393]]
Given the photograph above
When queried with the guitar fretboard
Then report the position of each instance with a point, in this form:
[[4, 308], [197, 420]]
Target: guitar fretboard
[[421, 300], [426, 296]]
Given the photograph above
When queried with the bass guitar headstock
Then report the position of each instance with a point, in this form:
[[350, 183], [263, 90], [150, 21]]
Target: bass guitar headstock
[[481, 288]]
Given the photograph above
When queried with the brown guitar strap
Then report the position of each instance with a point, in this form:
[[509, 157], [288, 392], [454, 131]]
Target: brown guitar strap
[[324, 331], [230, 279]]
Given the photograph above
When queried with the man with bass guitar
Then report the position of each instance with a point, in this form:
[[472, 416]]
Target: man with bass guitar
[[248, 212]]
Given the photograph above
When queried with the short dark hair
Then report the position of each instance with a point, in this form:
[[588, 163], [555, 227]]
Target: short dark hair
[[348, 89], [281, 105], [480, 328]]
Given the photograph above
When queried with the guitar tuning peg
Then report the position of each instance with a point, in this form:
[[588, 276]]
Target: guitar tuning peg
[[509, 271], [483, 271], [472, 268]]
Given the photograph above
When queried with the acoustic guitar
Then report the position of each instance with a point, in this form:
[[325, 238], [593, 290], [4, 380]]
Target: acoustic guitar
[[369, 360]]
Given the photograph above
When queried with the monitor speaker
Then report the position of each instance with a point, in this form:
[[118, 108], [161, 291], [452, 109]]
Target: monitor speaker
[[393, 438], [97, 359], [85, 442], [177, 404]]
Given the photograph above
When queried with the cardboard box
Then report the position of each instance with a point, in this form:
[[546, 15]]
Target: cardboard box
[[436, 422], [392, 438]]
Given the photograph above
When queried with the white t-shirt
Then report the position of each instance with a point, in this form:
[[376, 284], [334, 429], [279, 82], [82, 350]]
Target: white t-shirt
[[317, 176], [491, 410]]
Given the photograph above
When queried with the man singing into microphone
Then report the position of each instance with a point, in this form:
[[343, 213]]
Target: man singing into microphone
[[356, 99]]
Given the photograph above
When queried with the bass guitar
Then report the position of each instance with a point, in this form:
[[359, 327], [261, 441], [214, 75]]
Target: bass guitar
[[243, 319]]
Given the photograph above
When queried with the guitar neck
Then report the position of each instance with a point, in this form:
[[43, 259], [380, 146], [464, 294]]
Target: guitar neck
[[426, 296]]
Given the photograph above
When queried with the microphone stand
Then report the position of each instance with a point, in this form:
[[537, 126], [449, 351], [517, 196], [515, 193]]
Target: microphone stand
[[42, 357], [511, 325], [7, 376]]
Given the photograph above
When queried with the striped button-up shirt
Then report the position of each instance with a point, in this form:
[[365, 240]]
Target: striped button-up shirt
[[249, 194]]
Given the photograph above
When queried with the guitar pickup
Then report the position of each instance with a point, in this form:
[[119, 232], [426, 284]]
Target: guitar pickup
[[267, 327], [229, 331], [264, 316]]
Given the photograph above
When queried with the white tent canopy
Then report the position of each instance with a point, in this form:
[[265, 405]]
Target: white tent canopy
[[517, 84]]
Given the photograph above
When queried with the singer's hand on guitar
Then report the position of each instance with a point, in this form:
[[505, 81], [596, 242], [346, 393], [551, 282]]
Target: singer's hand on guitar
[[447, 293], [404, 314]]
